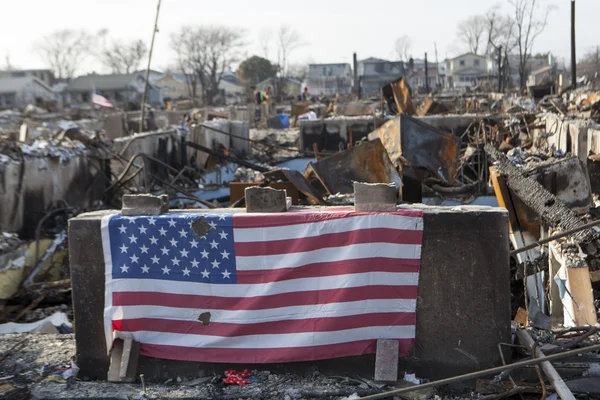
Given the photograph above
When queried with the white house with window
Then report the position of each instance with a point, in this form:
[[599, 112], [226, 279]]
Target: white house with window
[[467, 70], [329, 79]]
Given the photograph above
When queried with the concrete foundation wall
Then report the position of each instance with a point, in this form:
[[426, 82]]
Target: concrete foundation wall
[[463, 309], [455, 124], [28, 190], [330, 133], [213, 139], [165, 146]]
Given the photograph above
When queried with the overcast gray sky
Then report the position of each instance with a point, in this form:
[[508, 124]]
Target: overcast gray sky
[[332, 29]]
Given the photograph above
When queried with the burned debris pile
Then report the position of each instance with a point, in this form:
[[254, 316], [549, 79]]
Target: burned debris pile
[[539, 162]]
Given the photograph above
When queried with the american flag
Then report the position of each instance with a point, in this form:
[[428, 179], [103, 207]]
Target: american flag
[[101, 100], [262, 288]]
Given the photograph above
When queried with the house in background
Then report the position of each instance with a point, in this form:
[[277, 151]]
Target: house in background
[[415, 75], [329, 79], [468, 70], [44, 75], [287, 86], [175, 85], [21, 91], [231, 89], [376, 72], [118, 88]]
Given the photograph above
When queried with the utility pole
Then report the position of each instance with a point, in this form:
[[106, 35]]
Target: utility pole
[[426, 76], [500, 69], [573, 52], [148, 69], [356, 82], [437, 63]]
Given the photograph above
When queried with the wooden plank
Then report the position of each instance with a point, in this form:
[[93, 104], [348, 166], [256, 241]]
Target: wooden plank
[[556, 305], [579, 285]]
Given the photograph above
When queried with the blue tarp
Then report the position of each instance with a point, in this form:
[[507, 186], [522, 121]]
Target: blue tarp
[[285, 120]]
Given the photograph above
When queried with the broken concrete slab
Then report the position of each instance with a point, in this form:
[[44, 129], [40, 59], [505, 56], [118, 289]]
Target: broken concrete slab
[[386, 360], [145, 204], [265, 199], [370, 197]]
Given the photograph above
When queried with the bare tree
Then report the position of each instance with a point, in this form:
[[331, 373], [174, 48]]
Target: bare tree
[[298, 71], [265, 40], [530, 21], [288, 40], [205, 53], [64, 51], [472, 33], [403, 47], [123, 57], [500, 31]]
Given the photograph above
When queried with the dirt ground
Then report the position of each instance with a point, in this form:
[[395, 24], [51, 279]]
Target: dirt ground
[[29, 362]]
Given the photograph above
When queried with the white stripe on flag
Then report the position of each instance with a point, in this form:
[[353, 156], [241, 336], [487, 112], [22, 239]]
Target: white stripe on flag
[[330, 254], [260, 289], [311, 229], [273, 341], [274, 314]]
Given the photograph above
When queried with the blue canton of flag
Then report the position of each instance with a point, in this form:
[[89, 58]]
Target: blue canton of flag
[[166, 247]]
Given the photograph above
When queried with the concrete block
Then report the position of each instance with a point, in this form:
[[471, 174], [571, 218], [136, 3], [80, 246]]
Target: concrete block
[[464, 291], [129, 360], [375, 196], [116, 358], [265, 199], [386, 360], [145, 204], [124, 359], [463, 303]]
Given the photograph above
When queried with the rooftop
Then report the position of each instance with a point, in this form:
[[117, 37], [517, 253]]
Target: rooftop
[[10, 85]]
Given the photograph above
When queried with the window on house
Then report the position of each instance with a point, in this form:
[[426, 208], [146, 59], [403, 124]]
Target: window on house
[[462, 63], [85, 97], [476, 63]]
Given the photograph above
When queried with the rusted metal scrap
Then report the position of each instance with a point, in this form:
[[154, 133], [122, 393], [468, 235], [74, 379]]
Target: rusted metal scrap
[[355, 109], [368, 162], [420, 150], [299, 181], [398, 96], [431, 107], [552, 211]]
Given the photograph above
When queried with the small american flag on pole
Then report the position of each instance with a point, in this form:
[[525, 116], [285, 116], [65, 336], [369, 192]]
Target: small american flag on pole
[[100, 100], [262, 288]]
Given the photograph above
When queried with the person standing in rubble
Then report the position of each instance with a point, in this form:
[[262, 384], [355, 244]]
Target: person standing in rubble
[[258, 99], [266, 103], [304, 96]]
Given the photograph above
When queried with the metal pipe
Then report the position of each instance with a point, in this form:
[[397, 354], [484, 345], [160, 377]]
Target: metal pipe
[[148, 69], [426, 76], [557, 382], [485, 372], [555, 237], [225, 157]]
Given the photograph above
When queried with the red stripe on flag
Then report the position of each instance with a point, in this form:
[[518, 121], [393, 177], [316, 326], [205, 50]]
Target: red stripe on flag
[[264, 302], [297, 218], [269, 356], [299, 245], [331, 268], [328, 324]]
